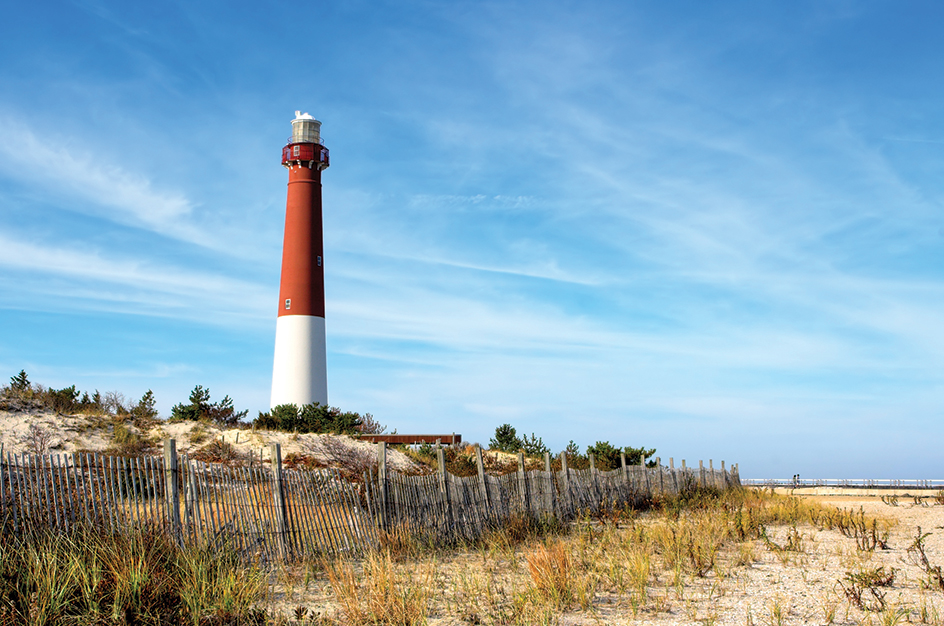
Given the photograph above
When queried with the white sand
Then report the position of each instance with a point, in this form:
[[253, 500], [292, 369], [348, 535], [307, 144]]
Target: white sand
[[69, 433]]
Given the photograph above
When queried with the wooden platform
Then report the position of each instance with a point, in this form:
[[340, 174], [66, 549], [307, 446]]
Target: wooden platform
[[446, 440]]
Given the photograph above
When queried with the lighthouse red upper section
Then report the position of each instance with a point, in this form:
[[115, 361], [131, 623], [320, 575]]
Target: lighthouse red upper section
[[301, 290], [305, 153]]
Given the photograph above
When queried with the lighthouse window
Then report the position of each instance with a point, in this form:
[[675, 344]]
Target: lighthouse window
[[288, 304], [319, 261], [295, 150]]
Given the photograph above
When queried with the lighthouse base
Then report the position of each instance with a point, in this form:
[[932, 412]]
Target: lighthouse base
[[300, 372]]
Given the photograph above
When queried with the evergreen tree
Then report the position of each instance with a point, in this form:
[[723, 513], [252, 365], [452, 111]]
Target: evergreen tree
[[533, 446], [21, 382], [146, 408], [200, 408], [505, 440], [62, 401]]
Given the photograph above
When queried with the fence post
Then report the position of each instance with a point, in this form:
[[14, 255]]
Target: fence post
[[548, 485], [659, 469], [523, 484], [701, 473], [382, 482], [3, 501], [645, 473], [278, 498], [594, 480], [675, 481], [565, 479], [724, 476], [444, 488], [171, 488], [480, 469]]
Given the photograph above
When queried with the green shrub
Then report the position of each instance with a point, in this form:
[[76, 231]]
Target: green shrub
[[607, 456], [145, 411], [533, 446], [505, 439], [21, 383], [198, 434], [62, 401], [127, 442], [311, 418], [576, 460], [200, 408], [94, 405]]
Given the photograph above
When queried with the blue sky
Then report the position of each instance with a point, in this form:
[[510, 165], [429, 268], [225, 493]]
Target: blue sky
[[711, 228]]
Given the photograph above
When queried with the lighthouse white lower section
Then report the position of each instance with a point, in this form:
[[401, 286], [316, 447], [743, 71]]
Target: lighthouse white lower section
[[300, 373]]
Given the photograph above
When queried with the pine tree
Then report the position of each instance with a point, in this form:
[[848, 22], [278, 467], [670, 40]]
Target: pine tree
[[506, 439], [146, 408], [21, 382], [200, 408]]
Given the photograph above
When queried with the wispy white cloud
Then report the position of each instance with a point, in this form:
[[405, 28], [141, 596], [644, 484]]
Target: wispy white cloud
[[60, 278], [88, 183]]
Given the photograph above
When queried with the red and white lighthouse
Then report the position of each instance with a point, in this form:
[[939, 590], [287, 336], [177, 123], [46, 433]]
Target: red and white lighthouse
[[299, 375]]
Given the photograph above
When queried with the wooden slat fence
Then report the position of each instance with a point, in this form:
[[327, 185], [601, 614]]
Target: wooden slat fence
[[447, 508], [273, 513], [266, 513]]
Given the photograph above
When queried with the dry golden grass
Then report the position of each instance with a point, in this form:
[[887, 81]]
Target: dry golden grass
[[682, 562], [378, 592]]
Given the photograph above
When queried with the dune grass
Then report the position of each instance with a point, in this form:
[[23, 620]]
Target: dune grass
[[675, 558], [87, 576], [672, 559]]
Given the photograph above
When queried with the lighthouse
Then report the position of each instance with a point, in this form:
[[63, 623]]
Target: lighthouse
[[299, 373]]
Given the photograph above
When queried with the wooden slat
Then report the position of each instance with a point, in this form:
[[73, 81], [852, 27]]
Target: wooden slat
[[304, 522], [319, 524], [327, 512], [23, 482], [62, 478], [349, 509], [45, 480], [245, 520], [105, 484], [226, 503], [257, 510], [128, 499]]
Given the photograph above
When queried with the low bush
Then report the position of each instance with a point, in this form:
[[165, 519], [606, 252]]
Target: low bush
[[127, 441], [22, 394], [219, 451], [312, 418], [200, 408]]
